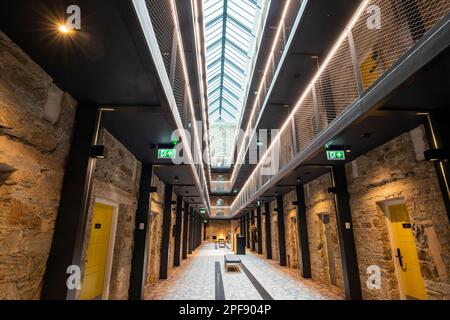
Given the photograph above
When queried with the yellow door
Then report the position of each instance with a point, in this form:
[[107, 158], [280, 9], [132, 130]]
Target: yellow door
[[405, 252], [97, 254], [370, 69]]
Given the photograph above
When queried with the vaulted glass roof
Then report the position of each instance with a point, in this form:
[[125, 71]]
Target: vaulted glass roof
[[232, 28], [229, 43]]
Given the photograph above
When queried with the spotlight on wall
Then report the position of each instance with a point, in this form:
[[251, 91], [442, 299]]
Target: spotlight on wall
[[435, 155], [332, 190], [62, 28], [98, 152], [176, 179]]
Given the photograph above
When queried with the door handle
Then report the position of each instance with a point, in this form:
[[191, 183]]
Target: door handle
[[399, 257]]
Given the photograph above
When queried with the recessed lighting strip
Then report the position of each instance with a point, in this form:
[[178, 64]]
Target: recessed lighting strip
[[142, 13], [324, 65], [200, 65], [261, 85], [188, 88]]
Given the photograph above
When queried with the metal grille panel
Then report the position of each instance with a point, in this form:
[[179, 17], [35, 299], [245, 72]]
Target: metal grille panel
[[362, 56]]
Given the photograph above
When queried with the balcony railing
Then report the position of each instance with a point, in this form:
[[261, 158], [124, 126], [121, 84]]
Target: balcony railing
[[291, 15], [220, 212], [159, 20], [220, 186], [378, 35]]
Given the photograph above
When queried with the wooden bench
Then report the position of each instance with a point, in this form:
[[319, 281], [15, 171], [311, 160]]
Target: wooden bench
[[232, 260]]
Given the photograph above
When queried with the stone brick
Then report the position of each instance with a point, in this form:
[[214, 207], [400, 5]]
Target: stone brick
[[120, 190], [396, 170], [33, 154]]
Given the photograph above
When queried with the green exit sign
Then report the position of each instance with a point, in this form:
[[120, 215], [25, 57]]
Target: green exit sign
[[335, 155], [202, 210], [167, 153]]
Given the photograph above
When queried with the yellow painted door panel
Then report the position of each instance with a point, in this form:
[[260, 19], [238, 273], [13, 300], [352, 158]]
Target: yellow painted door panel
[[371, 69], [97, 254], [406, 259]]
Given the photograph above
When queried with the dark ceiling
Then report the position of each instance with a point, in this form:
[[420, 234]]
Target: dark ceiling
[[105, 63]]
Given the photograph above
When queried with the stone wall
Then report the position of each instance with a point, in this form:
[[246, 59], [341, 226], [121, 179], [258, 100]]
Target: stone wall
[[322, 233], [397, 170], [274, 231], [172, 232], [217, 228], [155, 230], [36, 120], [116, 183], [263, 232], [290, 227]]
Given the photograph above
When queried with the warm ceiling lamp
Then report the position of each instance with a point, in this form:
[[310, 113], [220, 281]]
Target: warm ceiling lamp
[[63, 29]]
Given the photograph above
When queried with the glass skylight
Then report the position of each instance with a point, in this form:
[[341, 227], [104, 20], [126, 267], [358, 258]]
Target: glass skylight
[[230, 33]]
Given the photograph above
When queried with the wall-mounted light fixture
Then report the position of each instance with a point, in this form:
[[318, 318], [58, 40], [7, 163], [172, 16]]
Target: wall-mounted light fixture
[[435, 155], [98, 152], [332, 190]]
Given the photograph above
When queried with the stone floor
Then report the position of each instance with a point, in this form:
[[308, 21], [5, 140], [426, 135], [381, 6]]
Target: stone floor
[[195, 280]]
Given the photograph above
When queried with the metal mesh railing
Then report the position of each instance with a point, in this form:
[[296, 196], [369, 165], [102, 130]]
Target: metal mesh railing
[[257, 102], [365, 51], [220, 186], [163, 18], [220, 211]]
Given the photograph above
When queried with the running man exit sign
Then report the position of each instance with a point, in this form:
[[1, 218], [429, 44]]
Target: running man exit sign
[[167, 154], [335, 155]]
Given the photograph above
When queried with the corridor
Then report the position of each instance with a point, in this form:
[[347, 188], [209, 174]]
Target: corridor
[[143, 143], [195, 280]]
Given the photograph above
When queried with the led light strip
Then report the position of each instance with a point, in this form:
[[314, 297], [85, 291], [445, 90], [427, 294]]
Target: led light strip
[[266, 70], [198, 46], [188, 86], [333, 51], [142, 13]]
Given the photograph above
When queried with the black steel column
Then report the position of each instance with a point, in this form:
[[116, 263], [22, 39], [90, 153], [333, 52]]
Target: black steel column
[[70, 224], [199, 231], [247, 230], [281, 233], [346, 240], [438, 132], [258, 228], [191, 231], [204, 231], [252, 238], [242, 233], [177, 244], [167, 220], [200, 224], [268, 231], [302, 231], [194, 231], [185, 230], [140, 246]]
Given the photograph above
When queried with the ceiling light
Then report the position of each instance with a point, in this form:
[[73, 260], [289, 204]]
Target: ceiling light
[[63, 29]]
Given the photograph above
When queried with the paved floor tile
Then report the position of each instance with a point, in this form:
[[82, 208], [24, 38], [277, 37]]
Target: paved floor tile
[[195, 280]]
